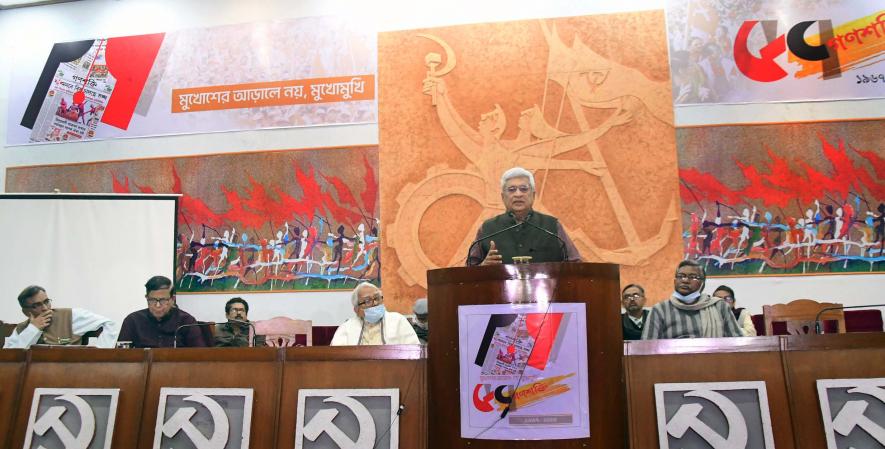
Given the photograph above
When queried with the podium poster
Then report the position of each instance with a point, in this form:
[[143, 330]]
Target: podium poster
[[524, 371]]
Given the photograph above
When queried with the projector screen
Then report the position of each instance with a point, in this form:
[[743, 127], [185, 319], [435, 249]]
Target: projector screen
[[89, 251]]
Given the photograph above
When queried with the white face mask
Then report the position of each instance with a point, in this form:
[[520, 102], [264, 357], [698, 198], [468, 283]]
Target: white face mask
[[691, 298]]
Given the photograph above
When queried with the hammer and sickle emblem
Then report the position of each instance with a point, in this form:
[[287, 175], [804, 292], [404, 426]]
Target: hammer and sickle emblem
[[52, 420], [687, 418], [181, 420], [852, 415], [322, 423]]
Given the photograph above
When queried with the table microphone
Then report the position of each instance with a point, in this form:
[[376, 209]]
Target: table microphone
[[817, 327], [175, 335], [249, 323], [561, 242]]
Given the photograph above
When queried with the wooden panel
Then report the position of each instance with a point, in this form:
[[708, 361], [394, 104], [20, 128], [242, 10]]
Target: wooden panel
[[256, 368], [86, 367], [12, 366], [401, 367], [808, 358], [684, 365], [596, 285]]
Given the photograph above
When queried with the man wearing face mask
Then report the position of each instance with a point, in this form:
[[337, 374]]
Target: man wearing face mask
[[373, 324], [689, 313], [419, 324]]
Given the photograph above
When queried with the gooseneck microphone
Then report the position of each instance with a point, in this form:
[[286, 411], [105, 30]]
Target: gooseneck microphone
[[561, 242], [817, 326], [467, 262], [248, 323], [198, 324]]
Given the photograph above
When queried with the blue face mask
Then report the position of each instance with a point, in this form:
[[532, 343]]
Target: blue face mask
[[374, 314], [688, 299]]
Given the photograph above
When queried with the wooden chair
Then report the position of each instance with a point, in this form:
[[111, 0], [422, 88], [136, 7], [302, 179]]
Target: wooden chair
[[799, 316], [281, 331]]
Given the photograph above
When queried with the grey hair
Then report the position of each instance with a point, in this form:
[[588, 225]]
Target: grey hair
[[354, 296], [517, 172]]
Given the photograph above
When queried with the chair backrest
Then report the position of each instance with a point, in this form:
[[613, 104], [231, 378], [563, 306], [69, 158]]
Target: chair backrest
[[799, 316], [281, 331]]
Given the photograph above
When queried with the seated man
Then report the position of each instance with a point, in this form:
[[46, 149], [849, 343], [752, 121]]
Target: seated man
[[373, 324], [235, 333], [48, 326], [689, 313], [633, 320], [156, 326], [742, 315], [419, 324], [541, 236]]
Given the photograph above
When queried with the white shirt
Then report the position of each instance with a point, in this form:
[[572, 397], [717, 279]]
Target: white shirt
[[82, 321]]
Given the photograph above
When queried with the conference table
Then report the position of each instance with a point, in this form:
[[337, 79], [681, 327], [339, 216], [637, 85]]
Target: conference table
[[279, 382]]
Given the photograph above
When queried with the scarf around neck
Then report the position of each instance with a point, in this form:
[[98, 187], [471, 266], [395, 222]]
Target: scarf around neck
[[712, 325]]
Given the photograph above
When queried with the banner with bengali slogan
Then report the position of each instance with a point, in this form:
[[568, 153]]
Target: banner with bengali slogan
[[727, 51], [288, 73]]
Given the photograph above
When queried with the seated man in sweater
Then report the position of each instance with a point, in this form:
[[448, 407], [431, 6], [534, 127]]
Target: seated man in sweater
[[160, 324], [742, 315], [633, 320], [49, 326], [373, 324], [688, 313]]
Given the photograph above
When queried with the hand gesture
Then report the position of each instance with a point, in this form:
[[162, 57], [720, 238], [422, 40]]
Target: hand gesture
[[493, 257], [43, 320]]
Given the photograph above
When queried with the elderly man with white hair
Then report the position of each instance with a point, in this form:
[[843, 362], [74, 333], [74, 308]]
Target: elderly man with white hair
[[520, 230], [373, 324]]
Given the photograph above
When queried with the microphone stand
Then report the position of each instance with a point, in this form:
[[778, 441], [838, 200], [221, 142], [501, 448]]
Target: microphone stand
[[175, 335], [248, 323], [817, 326]]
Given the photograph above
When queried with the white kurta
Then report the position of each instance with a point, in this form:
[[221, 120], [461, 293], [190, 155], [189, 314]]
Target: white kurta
[[397, 331], [82, 321]]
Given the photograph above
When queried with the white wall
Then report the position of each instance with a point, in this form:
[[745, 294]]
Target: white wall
[[35, 29]]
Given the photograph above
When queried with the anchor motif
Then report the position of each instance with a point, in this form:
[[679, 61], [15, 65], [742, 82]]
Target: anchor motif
[[588, 81]]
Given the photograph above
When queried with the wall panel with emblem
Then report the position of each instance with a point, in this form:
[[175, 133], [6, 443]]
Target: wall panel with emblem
[[401, 369], [50, 368], [698, 361], [251, 369], [808, 360]]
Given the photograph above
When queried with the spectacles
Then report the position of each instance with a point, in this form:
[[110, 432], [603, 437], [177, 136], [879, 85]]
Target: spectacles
[[693, 277], [727, 298], [633, 297], [47, 302], [158, 301], [374, 300], [513, 189]]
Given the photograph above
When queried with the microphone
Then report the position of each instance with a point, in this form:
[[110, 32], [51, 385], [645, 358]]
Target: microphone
[[467, 262], [175, 335], [561, 242], [249, 323], [817, 327]]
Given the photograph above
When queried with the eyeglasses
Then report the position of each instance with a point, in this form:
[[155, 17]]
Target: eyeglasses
[[726, 298], [693, 277], [158, 301], [47, 302], [513, 189], [633, 297], [374, 301]]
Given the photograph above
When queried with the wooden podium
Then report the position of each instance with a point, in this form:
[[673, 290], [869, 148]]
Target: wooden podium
[[596, 285]]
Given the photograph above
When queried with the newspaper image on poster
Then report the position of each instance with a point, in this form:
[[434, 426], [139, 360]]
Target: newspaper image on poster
[[755, 51], [73, 106], [523, 371], [310, 71]]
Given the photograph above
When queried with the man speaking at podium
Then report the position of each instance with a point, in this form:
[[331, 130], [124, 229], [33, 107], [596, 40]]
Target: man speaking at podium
[[521, 231]]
